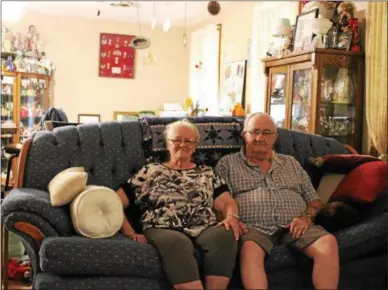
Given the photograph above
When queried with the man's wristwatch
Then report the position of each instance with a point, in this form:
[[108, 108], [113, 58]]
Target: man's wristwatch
[[233, 215]]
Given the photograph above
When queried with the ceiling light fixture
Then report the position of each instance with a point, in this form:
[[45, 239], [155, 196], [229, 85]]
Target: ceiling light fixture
[[167, 22], [124, 4], [167, 25], [184, 34], [140, 42], [153, 24]]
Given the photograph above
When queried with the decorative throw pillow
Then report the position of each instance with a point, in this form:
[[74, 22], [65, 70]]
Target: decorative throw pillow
[[97, 212], [66, 185], [328, 185], [363, 184], [340, 163]]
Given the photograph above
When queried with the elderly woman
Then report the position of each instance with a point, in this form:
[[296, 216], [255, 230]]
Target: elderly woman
[[177, 200]]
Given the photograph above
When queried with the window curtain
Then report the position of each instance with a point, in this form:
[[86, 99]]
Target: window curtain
[[264, 19], [204, 48], [377, 77]]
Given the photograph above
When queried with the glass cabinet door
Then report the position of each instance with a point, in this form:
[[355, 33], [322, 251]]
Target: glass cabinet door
[[301, 98], [8, 123], [278, 97], [33, 103], [337, 103], [7, 100]]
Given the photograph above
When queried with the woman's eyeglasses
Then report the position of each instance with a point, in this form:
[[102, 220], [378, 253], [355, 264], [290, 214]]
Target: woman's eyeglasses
[[257, 132], [188, 142]]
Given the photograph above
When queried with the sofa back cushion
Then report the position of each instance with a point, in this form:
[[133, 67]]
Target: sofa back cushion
[[222, 135], [110, 152], [218, 136]]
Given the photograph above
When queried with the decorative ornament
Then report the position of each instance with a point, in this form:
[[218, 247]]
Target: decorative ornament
[[213, 7]]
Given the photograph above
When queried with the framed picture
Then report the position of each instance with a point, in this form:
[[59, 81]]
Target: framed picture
[[88, 118], [117, 56], [344, 40], [124, 116], [304, 30], [233, 90]]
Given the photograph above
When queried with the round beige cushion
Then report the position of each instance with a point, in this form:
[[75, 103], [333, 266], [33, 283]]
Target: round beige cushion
[[97, 212]]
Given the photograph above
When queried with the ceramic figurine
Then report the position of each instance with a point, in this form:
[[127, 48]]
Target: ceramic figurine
[[6, 43], [346, 12], [353, 25]]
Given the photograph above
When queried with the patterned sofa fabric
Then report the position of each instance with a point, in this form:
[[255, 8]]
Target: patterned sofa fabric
[[109, 151], [46, 281], [50, 220], [222, 135], [116, 256]]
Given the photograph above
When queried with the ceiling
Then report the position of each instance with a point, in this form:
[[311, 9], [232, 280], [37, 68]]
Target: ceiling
[[174, 10]]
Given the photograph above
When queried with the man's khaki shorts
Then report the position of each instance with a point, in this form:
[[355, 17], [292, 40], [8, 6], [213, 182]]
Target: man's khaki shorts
[[283, 236]]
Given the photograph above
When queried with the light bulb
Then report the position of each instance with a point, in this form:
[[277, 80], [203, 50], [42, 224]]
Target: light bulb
[[153, 24], [184, 40], [167, 25]]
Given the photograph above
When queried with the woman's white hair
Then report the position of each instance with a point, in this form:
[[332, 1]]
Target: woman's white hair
[[181, 123]]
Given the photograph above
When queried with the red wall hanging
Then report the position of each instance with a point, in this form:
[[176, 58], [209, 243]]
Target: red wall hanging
[[117, 57]]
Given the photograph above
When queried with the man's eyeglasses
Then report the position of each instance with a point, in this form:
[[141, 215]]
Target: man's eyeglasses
[[257, 132], [188, 142]]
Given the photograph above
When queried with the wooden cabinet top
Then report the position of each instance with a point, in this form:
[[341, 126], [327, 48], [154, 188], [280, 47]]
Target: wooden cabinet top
[[308, 55]]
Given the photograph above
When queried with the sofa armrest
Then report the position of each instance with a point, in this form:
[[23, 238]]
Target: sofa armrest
[[34, 206]]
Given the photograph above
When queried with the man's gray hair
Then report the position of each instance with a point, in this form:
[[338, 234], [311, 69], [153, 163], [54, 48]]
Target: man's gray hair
[[258, 115]]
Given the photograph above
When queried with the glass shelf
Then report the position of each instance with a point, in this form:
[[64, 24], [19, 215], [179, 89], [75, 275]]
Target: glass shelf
[[32, 104], [337, 106], [301, 100], [277, 108]]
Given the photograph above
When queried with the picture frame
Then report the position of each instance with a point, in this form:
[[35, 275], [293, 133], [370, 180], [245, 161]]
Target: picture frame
[[234, 85], [89, 118], [344, 40], [124, 116], [116, 56], [303, 34]]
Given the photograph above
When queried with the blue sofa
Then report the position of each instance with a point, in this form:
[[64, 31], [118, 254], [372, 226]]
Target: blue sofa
[[111, 152]]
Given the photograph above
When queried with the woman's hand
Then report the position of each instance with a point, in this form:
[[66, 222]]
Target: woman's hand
[[137, 237], [231, 222]]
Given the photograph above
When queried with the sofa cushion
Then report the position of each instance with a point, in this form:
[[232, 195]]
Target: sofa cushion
[[341, 163], [281, 257], [116, 256], [44, 281], [364, 183], [97, 212], [363, 238], [328, 185], [66, 185]]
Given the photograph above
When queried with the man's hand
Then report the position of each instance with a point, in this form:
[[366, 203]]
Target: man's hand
[[137, 237], [231, 222], [299, 226]]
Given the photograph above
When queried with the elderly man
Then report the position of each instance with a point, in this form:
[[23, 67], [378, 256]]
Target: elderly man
[[277, 203]]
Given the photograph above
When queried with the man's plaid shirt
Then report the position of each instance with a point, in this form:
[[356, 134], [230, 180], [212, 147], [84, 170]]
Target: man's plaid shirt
[[267, 202]]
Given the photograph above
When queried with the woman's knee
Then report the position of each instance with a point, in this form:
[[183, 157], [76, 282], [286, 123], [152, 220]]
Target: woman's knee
[[220, 237], [169, 240]]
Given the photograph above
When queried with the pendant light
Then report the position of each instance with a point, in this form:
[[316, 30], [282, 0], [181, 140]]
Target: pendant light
[[140, 42], [185, 34], [153, 23]]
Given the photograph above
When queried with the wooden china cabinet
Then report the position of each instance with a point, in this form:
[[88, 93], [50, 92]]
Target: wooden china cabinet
[[318, 91]]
